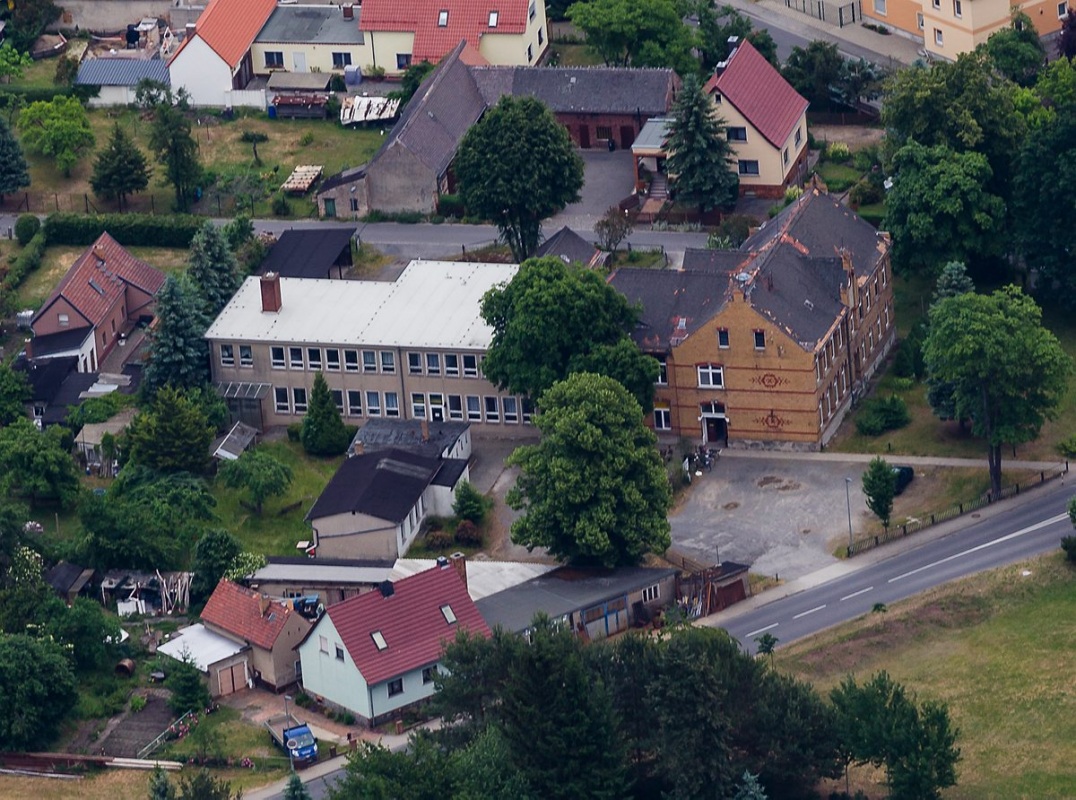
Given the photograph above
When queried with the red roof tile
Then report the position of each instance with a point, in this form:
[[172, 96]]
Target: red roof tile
[[757, 90], [99, 277], [238, 611], [229, 27], [467, 19], [411, 622]]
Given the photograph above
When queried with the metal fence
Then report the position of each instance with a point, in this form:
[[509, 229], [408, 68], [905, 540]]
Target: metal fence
[[915, 525], [840, 14], [210, 204]]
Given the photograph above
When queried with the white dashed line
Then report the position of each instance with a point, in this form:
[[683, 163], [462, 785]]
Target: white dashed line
[[856, 594], [805, 613], [761, 630]]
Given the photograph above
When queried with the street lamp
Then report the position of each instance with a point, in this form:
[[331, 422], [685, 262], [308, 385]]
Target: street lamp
[[848, 502], [287, 721]]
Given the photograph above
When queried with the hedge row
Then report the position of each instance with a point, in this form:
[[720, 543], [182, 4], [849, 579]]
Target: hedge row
[[31, 94], [131, 230]]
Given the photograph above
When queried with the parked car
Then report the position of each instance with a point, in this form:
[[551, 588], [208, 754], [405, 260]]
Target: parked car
[[904, 476]]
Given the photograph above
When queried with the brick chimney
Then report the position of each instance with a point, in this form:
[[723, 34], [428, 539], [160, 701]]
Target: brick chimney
[[271, 292], [349, 10], [459, 562], [99, 253], [263, 603]]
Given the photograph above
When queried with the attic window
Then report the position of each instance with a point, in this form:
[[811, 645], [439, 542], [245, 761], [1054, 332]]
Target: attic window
[[449, 614], [493, 19], [442, 18], [379, 640]]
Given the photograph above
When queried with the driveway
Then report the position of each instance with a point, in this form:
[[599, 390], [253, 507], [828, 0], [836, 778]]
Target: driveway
[[608, 179], [781, 516]]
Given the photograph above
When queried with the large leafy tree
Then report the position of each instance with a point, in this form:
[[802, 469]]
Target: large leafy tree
[[699, 155], [952, 281], [37, 692], [86, 630], [593, 490], [14, 173], [1008, 372], [516, 167], [120, 533], [323, 432], [178, 353], [214, 554], [647, 33], [14, 393], [213, 270], [1016, 51], [171, 141], [716, 25], [552, 319], [120, 169], [814, 71], [28, 21], [260, 474], [35, 465], [57, 129], [940, 208], [12, 63], [171, 436]]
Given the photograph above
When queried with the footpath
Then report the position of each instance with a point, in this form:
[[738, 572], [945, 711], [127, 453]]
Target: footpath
[[893, 458]]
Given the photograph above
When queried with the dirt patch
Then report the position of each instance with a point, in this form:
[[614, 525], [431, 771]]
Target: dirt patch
[[731, 506], [780, 484], [767, 480], [857, 137], [789, 486]]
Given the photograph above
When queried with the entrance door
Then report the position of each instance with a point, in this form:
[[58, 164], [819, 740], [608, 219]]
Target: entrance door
[[627, 137], [584, 137], [298, 61], [716, 430]]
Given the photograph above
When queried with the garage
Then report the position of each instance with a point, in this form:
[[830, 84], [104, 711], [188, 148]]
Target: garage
[[232, 678], [222, 660]]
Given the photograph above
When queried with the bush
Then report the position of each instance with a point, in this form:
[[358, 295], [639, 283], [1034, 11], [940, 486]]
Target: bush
[[303, 700], [882, 414], [131, 230], [376, 73], [306, 139], [737, 227], [438, 540], [435, 523], [138, 702], [875, 216], [867, 158], [901, 384], [451, 205], [336, 84], [470, 504], [468, 534], [774, 210], [1068, 544], [26, 228], [295, 432], [792, 194], [26, 262], [909, 362], [866, 193], [281, 207], [837, 151], [347, 718], [1067, 448]]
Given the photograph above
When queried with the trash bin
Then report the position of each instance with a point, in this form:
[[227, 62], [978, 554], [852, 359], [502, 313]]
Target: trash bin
[[612, 145], [332, 751], [272, 112]]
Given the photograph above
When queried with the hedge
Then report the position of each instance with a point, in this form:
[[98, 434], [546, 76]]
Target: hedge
[[131, 230], [26, 262], [31, 94]]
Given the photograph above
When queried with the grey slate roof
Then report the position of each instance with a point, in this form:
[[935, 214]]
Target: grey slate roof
[[311, 25], [342, 178], [569, 246], [719, 262], [406, 434], [590, 90], [800, 294], [121, 71], [667, 297], [562, 591]]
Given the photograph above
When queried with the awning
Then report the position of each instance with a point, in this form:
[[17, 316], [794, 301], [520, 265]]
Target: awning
[[242, 390], [299, 81]]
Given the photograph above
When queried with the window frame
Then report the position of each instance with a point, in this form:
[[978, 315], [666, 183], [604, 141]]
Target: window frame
[[759, 336], [373, 409], [958, 9], [299, 407], [723, 340], [474, 414], [338, 399], [736, 133], [510, 417], [392, 409], [314, 359], [743, 167], [395, 687], [418, 405], [414, 363], [354, 409], [351, 361], [339, 652], [387, 362], [278, 363], [274, 59], [296, 363], [663, 371], [493, 19], [491, 408], [880, 8], [369, 361], [442, 18], [470, 372], [662, 418], [246, 356], [227, 355], [939, 37], [285, 406], [341, 59], [707, 373], [457, 411], [332, 359], [452, 365], [433, 363]]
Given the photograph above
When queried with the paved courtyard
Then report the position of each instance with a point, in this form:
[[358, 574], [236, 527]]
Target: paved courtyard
[[608, 179]]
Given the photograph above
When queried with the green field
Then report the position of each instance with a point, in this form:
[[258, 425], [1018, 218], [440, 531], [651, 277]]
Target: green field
[[998, 649]]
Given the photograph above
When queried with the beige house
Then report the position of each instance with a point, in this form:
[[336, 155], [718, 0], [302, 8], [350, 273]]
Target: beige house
[[310, 39]]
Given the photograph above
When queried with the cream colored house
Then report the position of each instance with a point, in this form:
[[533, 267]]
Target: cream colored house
[[310, 39]]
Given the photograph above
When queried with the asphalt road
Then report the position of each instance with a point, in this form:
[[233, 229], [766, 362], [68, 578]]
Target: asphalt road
[[1011, 535]]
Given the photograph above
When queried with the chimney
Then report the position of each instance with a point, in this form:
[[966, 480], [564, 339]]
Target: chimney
[[387, 589], [99, 253], [357, 448], [349, 10], [425, 430], [442, 562], [271, 292], [459, 561], [189, 28], [263, 604]]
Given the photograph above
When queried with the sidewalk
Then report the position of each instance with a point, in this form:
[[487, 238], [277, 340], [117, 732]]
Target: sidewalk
[[893, 458]]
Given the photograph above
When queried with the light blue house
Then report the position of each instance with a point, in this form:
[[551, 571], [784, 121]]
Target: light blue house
[[378, 652]]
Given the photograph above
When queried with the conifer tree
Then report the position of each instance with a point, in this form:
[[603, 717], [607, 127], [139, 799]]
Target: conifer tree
[[14, 174], [699, 161], [178, 354], [120, 169], [212, 268], [323, 433]]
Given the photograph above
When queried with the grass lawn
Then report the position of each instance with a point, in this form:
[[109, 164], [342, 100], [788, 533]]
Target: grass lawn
[[122, 783], [576, 55], [838, 177], [997, 648]]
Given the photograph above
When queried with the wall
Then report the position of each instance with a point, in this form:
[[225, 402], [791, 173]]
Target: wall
[[772, 170], [339, 682], [615, 122], [356, 536], [899, 14], [214, 670], [343, 195], [397, 181], [414, 691], [438, 499], [115, 15], [328, 593], [49, 321], [277, 667], [202, 72], [384, 47], [245, 98], [319, 57], [112, 96]]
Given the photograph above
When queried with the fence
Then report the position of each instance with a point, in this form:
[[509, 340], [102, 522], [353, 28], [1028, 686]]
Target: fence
[[211, 204], [838, 14], [163, 737], [915, 525], [675, 557]]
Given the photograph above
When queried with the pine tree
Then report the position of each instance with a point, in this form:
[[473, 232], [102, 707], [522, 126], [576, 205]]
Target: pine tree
[[178, 354], [952, 280], [120, 169], [879, 486], [172, 436], [212, 268], [159, 787], [323, 433], [295, 789], [699, 154], [14, 174], [171, 140]]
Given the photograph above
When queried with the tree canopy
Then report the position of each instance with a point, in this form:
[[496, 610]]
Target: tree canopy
[[1008, 372], [214, 554], [879, 487], [213, 271], [647, 33], [172, 143], [12, 63], [37, 692], [700, 158], [171, 436], [1016, 51], [28, 21], [716, 25], [35, 465], [178, 353], [57, 129], [259, 473], [120, 169], [14, 393], [594, 489], [14, 174], [516, 166], [323, 432], [813, 71]]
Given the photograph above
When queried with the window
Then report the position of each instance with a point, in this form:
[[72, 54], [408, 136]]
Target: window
[[274, 59], [313, 357], [418, 405], [403, 60], [437, 407], [330, 207], [351, 360], [760, 340], [298, 396], [369, 361], [474, 409], [338, 399], [332, 360], [936, 3], [276, 355], [280, 395], [604, 132], [63, 320], [379, 640], [388, 361], [323, 644], [530, 53], [799, 136], [510, 406], [748, 167], [395, 687], [784, 156], [736, 134], [541, 36], [711, 376], [470, 366], [392, 404], [958, 9], [651, 593], [493, 19], [448, 613], [662, 419], [373, 404], [246, 356], [353, 203], [227, 355], [452, 364], [433, 363], [939, 37], [341, 60], [723, 338], [339, 653], [663, 371], [414, 363], [533, 9], [492, 412], [919, 20], [1062, 10], [428, 674], [354, 403], [455, 406], [879, 7], [528, 410], [442, 18], [295, 357]]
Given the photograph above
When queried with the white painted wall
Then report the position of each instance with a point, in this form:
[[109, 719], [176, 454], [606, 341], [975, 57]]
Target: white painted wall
[[112, 96], [339, 682], [203, 73]]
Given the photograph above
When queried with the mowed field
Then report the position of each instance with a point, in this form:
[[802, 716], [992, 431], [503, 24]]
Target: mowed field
[[999, 649]]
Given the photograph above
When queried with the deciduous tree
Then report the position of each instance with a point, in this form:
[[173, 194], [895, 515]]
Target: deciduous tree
[[323, 432], [259, 473], [215, 552], [203, 786], [28, 21], [35, 465], [172, 142], [649, 33], [814, 71], [171, 436], [516, 167], [613, 228], [14, 173], [627, 364], [85, 630], [12, 63], [1016, 51], [1009, 373], [717, 25], [37, 692], [57, 129], [879, 487], [178, 353], [593, 490], [699, 159], [120, 169], [213, 270], [14, 393]]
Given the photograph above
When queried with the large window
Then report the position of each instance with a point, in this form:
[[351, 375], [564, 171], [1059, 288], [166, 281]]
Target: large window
[[388, 361], [274, 59], [276, 355], [470, 366], [295, 357], [246, 355], [313, 358], [280, 396], [474, 408], [298, 396], [452, 365], [373, 404], [493, 413], [418, 405], [369, 361], [332, 359], [414, 363], [392, 404], [748, 167], [354, 403], [227, 355], [663, 371], [455, 406], [736, 134], [341, 60], [662, 419], [711, 376], [351, 360]]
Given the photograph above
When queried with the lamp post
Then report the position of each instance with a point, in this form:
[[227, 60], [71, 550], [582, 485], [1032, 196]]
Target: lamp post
[[287, 721], [848, 502]]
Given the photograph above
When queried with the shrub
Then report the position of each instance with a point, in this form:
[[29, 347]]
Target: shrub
[[26, 228], [1068, 544], [737, 227], [303, 700], [470, 504], [336, 84], [792, 194], [280, 206], [438, 540], [468, 534], [348, 718], [451, 205], [882, 414], [875, 216], [837, 151], [908, 362], [306, 139], [1067, 448], [138, 702], [409, 217], [131, 230], [435, 523], [376, 73], [867, 158], [26, 262], [901, 384], [866, 193], [295, 432]]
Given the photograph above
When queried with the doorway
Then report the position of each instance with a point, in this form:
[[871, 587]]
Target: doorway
[[584, 137], [627, 137], [298, 61], [715, 427]]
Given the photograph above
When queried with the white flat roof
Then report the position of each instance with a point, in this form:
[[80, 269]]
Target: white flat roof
[[483, 577], [432, 304], [205, 647], [315, 573]]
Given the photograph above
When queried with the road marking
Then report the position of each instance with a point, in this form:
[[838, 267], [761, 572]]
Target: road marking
[[805, 613], [1037, 526], [761, 630], [856, 594]]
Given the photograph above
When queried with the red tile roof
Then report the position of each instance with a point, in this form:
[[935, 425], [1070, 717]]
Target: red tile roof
[[99, 277], [410, 621], [229, 27], [757, 90], [467, 19], [238, 611]]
